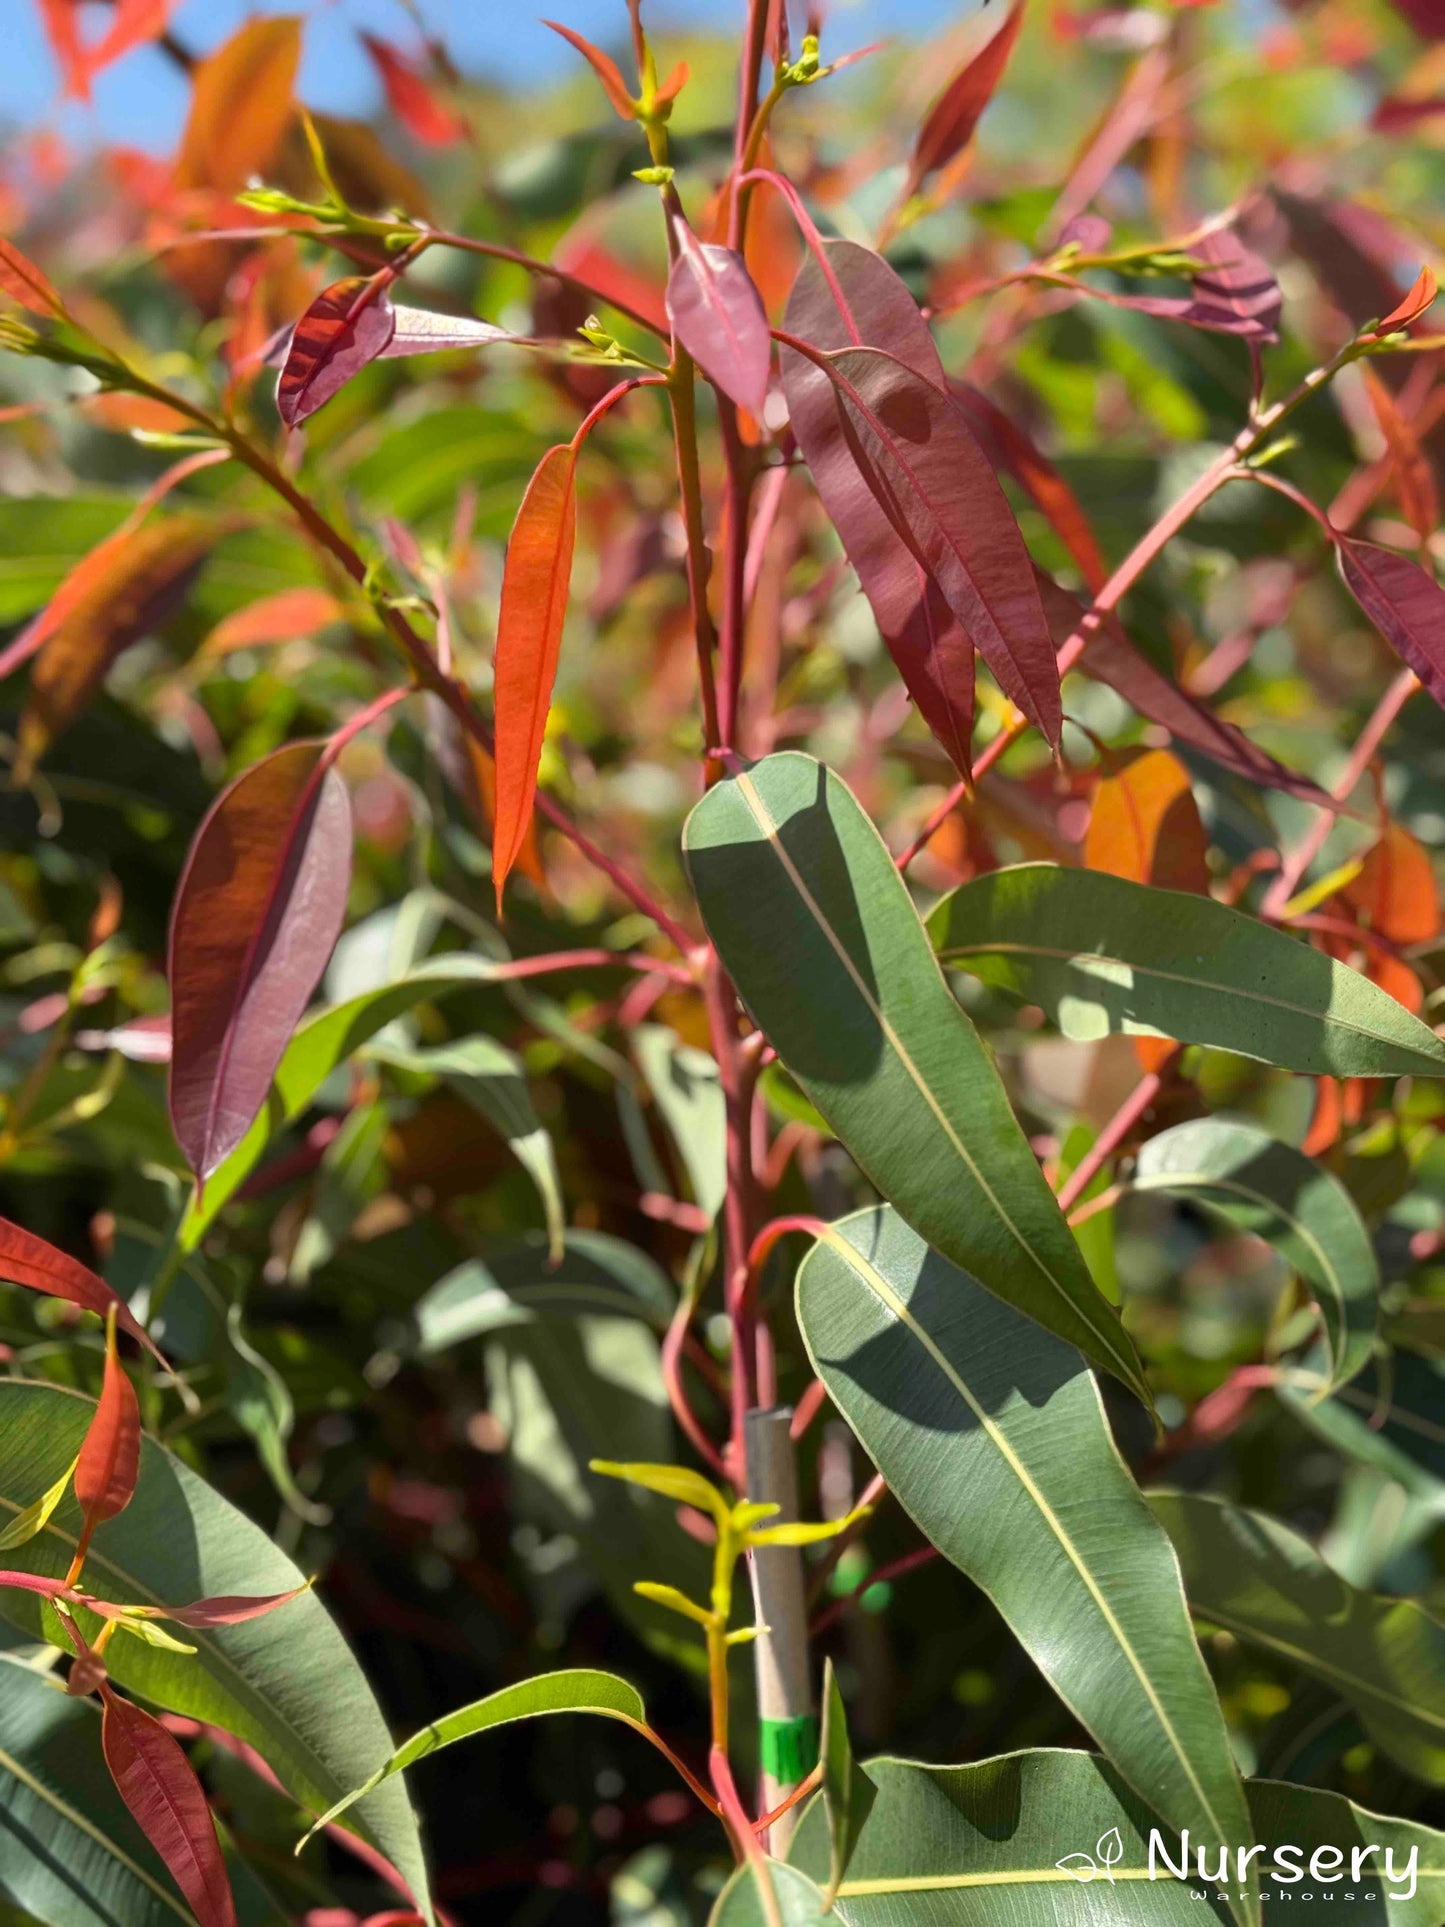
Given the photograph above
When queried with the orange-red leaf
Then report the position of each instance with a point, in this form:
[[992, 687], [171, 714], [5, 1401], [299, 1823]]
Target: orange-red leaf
[[411, 97], [1145, 825], [1395, 892], [347, 325], [28, 1260], [159, 1785], [1326, 1120], [951, 121], [283, 617], [1414, 477], [105, 1472], [1412, 307], [241, 105], [605, 68], [23, 282], [529, 638]]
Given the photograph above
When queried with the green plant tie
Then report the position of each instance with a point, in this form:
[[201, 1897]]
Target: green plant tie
[[789, 1748]]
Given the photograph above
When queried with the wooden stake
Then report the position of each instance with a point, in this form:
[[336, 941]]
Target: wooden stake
[[787, 1726]]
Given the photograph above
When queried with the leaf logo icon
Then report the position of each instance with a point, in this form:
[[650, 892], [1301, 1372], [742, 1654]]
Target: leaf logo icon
[[1080, 1865], [1110, 1850], [1083, 1867]]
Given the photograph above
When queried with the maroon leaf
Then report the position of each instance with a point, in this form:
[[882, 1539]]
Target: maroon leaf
[[719, 317], [951, 120], [889, 447], [159, 1785], [30, 1261], [260, 904], [1405, 604], [347, 325], [1235, 295], [1111, 658], [932, 650], [1007, 446], [221, 1611]]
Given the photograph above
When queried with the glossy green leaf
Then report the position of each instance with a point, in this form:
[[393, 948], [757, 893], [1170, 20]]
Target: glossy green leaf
[[1392, 1417], [848, 1793], [578, 1691], [685, 1085], [1278, 1193], [489, 1077], [1262, 1582], [1102, 954], [769, 1893], [287, 1683], [514, 1280], [1056, 1839], [820, 936], [70, 1853], [992, 1436]]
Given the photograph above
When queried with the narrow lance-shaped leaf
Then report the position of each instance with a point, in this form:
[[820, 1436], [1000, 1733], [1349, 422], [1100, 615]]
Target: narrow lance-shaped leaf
[[159, 1785], [1053, 1837], [848, 1793], [605, 68], [1264, 1583], [260, 903], [1278, 1193], [283, 617], [815, 927], [1007, 446], [347, 325], [950, 122], [24, 282], [932, 650], [1102, 955], [28, 1260], [1405, 604], [993, 1438], [719, 318], [105, 1472], [1414, 478], [1421, 296], [529, 641], [411, 97]]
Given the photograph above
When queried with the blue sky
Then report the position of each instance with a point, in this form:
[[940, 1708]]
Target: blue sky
[[141, 101]]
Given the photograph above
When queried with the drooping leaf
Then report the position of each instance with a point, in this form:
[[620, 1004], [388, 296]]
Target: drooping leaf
[[28, 1260], [848, 1793], [932, 649], [686, 1085], [1264, 1583], [949, 124], [282, 617], [1394, 890], [1145, 824], [159, 1785], [515, 1281], [1414, 478], [1276, 1192], [577, 1691], [529, 640], [889, 446], [816, 929], [992, 1437], [1008, 446], [286, 1683], [347, 325], [1103, 955], [769, 1893], [1405, 604], [105, 1471], [977, 1845], [1388, 1418], [719, 318], [259, 906], [1235, 293], [241, 105], [411, 96], [24, 282]]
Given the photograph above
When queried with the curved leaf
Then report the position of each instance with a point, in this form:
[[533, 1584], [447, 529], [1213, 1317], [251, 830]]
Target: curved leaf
[[1053, 1838], [992, 1436], [28, 1260], [1103, 955], [259, 905], [769, 1893], [1261, 1581], [286, 1683], [950, 122], [347, 325], [25, 284], [816, 929], [719, 318], [1391, 1417], [1278, 1193], [159, 1785], [1405, 604], [109, 1460], [241, 105], [515, 1282]]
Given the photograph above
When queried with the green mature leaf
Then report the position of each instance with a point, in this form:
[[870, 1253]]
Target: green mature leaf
[[982, 1846], [769, 1893], [848, 1793], [1278, 1193], [320, 1044], [287, 1683], [489, 1077], [818, 932], [1262, 1582], [577, 1691], [514, 1281], [352, 1172], [70, 1853], [992, 1436], [1102, 954], [1391, 1417], [685, 1084]]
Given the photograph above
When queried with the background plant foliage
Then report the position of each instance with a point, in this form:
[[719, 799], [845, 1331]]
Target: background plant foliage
[[1095, 1105]]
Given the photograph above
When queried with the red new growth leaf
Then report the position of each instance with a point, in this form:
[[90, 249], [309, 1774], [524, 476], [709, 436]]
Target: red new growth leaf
[[1394, 891], [241, 105], [1145, 824], [411, 97], [230, 1610], [719, 318], [105, 1472], [953, 117], [275, 618], [1405, 604], [30, 1261], [529, 639], [23, 282], [1413, 476], [260, 904], [347, 325], [132, 22], [159, 1785], [1420, 297], [605, 68]]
